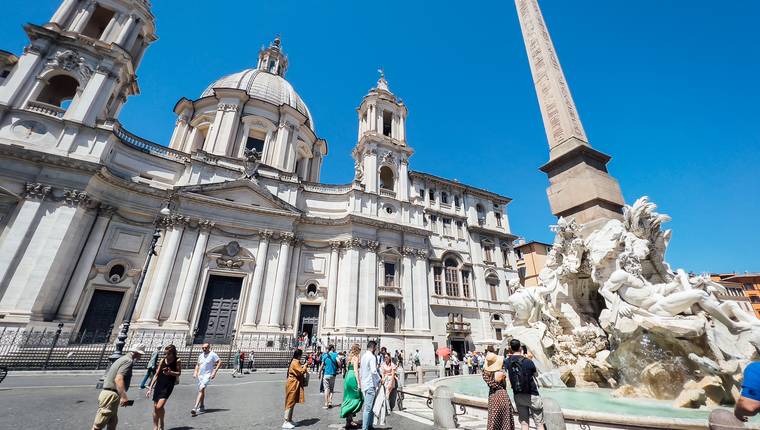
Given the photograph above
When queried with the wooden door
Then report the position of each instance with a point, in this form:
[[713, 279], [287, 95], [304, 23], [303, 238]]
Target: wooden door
[[101, 316], [219, 309]]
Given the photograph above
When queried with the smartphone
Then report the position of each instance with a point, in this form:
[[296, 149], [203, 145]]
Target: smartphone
[[130, 403]]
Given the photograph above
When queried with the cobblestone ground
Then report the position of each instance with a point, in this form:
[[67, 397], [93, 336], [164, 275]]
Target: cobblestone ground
[[255, 401]]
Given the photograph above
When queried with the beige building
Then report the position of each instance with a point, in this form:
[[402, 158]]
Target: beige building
[[531, 258], [746, 284]]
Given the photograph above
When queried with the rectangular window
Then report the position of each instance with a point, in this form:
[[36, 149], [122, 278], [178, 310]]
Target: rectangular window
[[390, 274], [434, 223], [457, 203], [754, 299], [422, 193], [437, 280], [387, 123], [466, 283], [498, 334], [452, 284], [493, 292], [505, 256], [255, 143], [488, 253], [431, 195], [446, 227], [460, 232], [749, 287], [498, 219]]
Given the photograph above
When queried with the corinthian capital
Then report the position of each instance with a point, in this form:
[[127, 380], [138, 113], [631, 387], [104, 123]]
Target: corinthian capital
[[288, 237], [36, 190], [75, 197], [372, 245], [265, 235], [407, 251], [353, 243], [335, 244], [174, 220], [206, 225]]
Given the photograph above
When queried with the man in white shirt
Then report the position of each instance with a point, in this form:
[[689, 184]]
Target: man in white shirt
[[370, 379], [205, 371]]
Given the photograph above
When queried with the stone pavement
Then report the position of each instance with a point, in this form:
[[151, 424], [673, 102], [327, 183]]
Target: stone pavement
[[65, 401]]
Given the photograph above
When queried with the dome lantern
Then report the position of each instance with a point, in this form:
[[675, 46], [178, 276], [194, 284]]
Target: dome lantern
[[272, 59]]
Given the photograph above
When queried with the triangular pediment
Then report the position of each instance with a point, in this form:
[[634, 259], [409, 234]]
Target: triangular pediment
[[243, 192]]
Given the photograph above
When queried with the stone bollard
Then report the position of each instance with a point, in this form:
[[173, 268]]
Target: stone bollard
[[444, 415], [553, 417], [721, 419], [420, 375]]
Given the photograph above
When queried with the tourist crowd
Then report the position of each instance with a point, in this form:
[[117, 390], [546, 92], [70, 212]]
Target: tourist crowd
[[370, 382]]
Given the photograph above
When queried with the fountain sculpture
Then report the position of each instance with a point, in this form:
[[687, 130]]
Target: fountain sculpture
[[610, 312]]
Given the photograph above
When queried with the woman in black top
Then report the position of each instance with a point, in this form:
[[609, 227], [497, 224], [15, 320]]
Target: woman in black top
[[162, 385]]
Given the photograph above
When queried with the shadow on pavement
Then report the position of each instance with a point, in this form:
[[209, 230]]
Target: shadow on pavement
[[308, 422]]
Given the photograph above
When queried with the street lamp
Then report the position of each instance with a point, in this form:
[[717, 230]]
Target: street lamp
[[121, 338]]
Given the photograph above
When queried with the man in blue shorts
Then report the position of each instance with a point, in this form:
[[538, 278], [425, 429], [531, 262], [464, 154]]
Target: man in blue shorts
[[748, 404], [329, 368]]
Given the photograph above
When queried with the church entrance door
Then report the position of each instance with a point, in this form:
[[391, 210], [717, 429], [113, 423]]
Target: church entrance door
[[309, 320], [101, 314], [219, 309]]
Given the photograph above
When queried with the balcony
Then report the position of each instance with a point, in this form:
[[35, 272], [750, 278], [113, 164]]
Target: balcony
[[45, 109], [390, 291], [387, 193], [458, 327]]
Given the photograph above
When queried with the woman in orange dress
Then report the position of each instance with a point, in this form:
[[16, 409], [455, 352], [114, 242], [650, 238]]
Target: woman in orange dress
[[294, 387]]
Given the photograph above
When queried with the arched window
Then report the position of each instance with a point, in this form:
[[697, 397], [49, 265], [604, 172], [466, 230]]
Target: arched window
[[386, 178], [389, 318], [493, 283], [98, 22], [452, 280], [59, 91]]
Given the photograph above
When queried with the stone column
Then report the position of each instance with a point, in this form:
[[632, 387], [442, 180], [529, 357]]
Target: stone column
[[35, 288], [180, 133], [252, 305], [125, 31], [93, 98], [275, 317], [226, 121], [403, 180], [290, 301], [24, 70], [196, 265], [332, 284], [406, 289], [348, 287], [86, 259], [422, 291], [370, 169], [63, 12], [174, 227], [83, 18], [15, 237], [368, 296]]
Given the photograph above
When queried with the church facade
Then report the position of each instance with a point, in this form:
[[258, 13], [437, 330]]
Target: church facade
[[248, 238]]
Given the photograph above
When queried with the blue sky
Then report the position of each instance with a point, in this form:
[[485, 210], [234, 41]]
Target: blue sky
[[668, 88]]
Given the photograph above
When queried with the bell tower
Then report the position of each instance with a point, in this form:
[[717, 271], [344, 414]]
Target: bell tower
[[80, 66], [381, 155]]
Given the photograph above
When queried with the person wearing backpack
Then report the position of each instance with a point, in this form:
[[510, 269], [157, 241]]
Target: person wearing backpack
[[329, 368], [522, 377]]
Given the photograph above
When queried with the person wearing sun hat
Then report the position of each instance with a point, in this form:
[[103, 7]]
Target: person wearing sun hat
[[499, 406], [115, 386]]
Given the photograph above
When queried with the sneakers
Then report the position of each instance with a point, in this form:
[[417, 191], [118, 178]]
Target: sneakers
[[193, 412], [288, 425], [202, 410]]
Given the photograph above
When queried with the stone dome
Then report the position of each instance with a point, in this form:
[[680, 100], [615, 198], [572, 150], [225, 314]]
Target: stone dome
[[264, 86]]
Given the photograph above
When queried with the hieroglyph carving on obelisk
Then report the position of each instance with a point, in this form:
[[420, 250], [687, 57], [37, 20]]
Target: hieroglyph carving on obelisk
[[560, 117]]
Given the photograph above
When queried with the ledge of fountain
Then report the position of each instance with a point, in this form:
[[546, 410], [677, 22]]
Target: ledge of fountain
[[589, 417]]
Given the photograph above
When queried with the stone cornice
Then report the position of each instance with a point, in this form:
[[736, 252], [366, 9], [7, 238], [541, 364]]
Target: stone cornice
[[460, 186], [32, 155], [357, 219]]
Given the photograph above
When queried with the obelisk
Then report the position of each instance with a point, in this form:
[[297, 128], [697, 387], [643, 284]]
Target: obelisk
[[580, 185]]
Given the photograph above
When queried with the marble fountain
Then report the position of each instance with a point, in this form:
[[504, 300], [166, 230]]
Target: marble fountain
[[621, 338]]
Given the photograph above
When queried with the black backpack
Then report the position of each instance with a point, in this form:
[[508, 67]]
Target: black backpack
[[521, 380]]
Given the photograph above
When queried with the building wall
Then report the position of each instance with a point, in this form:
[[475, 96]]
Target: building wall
[[531, 259]]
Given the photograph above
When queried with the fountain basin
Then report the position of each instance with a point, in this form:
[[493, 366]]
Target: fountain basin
[[593, 406]]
